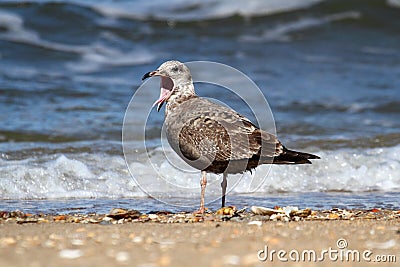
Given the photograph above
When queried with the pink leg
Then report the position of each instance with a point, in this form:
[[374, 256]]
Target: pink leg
[[203, 183]]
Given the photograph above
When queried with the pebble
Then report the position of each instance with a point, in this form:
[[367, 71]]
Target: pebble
[[137, 239], [122, 257], [7, 241], [77, 242], [258, 223], [381, 245], [231, 260], [333, 216], [275, 217], [230, 210], [55, 237], [166, 244], [60, 218], [26, 220], [49, 244], [153, 216], [289, 210], [93, 221], [70, 253]]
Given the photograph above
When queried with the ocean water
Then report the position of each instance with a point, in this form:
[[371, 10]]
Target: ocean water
[[329, 69]]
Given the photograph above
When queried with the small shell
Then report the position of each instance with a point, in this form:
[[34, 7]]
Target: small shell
[[275, 217], [230, 210], [27, 220], [153, 217], [289, 210], [333, 216], [118, 213], [60, 218], [301, 213], [265, 211]]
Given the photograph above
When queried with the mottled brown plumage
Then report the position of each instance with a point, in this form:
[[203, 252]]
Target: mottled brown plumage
[[212, 137]]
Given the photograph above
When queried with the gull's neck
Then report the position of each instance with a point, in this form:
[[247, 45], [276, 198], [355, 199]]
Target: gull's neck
[[182, 92]]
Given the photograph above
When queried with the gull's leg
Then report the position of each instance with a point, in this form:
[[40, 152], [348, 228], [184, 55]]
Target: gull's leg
[[224, 184], [203, 183]]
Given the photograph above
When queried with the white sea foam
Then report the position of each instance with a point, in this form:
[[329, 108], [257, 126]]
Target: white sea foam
[[15, 28], [65, 177], [97, 55], [282, 31], [192, 10], [343, 170], [92, 57], [393, 3], [95, 175], [188, 10]]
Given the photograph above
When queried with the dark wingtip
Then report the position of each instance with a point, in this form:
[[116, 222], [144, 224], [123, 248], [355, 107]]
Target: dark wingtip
[[294, 157], [147, 75], [311, 156], [303, 161]]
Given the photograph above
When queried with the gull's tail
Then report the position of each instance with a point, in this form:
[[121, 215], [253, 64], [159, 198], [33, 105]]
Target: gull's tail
[[294, 157]]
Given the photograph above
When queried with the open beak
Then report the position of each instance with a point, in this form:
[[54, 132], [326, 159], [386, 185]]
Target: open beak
[[149, 74], [166, 87]]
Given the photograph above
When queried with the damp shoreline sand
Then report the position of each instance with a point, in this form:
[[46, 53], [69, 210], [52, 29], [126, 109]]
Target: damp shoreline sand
[[55, 240]]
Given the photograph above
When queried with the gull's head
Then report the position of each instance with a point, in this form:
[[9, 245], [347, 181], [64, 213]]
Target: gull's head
[[173, 74]]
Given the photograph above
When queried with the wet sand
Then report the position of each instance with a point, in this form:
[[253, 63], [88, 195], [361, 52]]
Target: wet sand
[[53, 242]]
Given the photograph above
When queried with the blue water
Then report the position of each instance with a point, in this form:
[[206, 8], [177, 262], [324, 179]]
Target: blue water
[[330, 71]]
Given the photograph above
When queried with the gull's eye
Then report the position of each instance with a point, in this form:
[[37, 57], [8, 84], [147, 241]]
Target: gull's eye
[[174, 69]]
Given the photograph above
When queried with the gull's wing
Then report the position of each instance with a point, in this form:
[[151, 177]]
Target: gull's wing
[[220, 133]]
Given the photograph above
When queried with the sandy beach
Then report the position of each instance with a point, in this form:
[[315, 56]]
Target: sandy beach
[[254, 241]]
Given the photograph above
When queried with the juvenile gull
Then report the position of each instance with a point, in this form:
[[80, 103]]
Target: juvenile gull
[[211, 137]]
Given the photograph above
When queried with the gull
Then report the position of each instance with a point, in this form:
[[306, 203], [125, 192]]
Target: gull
[[211, 137]]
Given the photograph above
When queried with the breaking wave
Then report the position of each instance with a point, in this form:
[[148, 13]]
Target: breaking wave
[[105, 176]]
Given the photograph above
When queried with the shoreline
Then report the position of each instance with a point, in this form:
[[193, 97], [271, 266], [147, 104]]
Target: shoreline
[[214, 240]]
